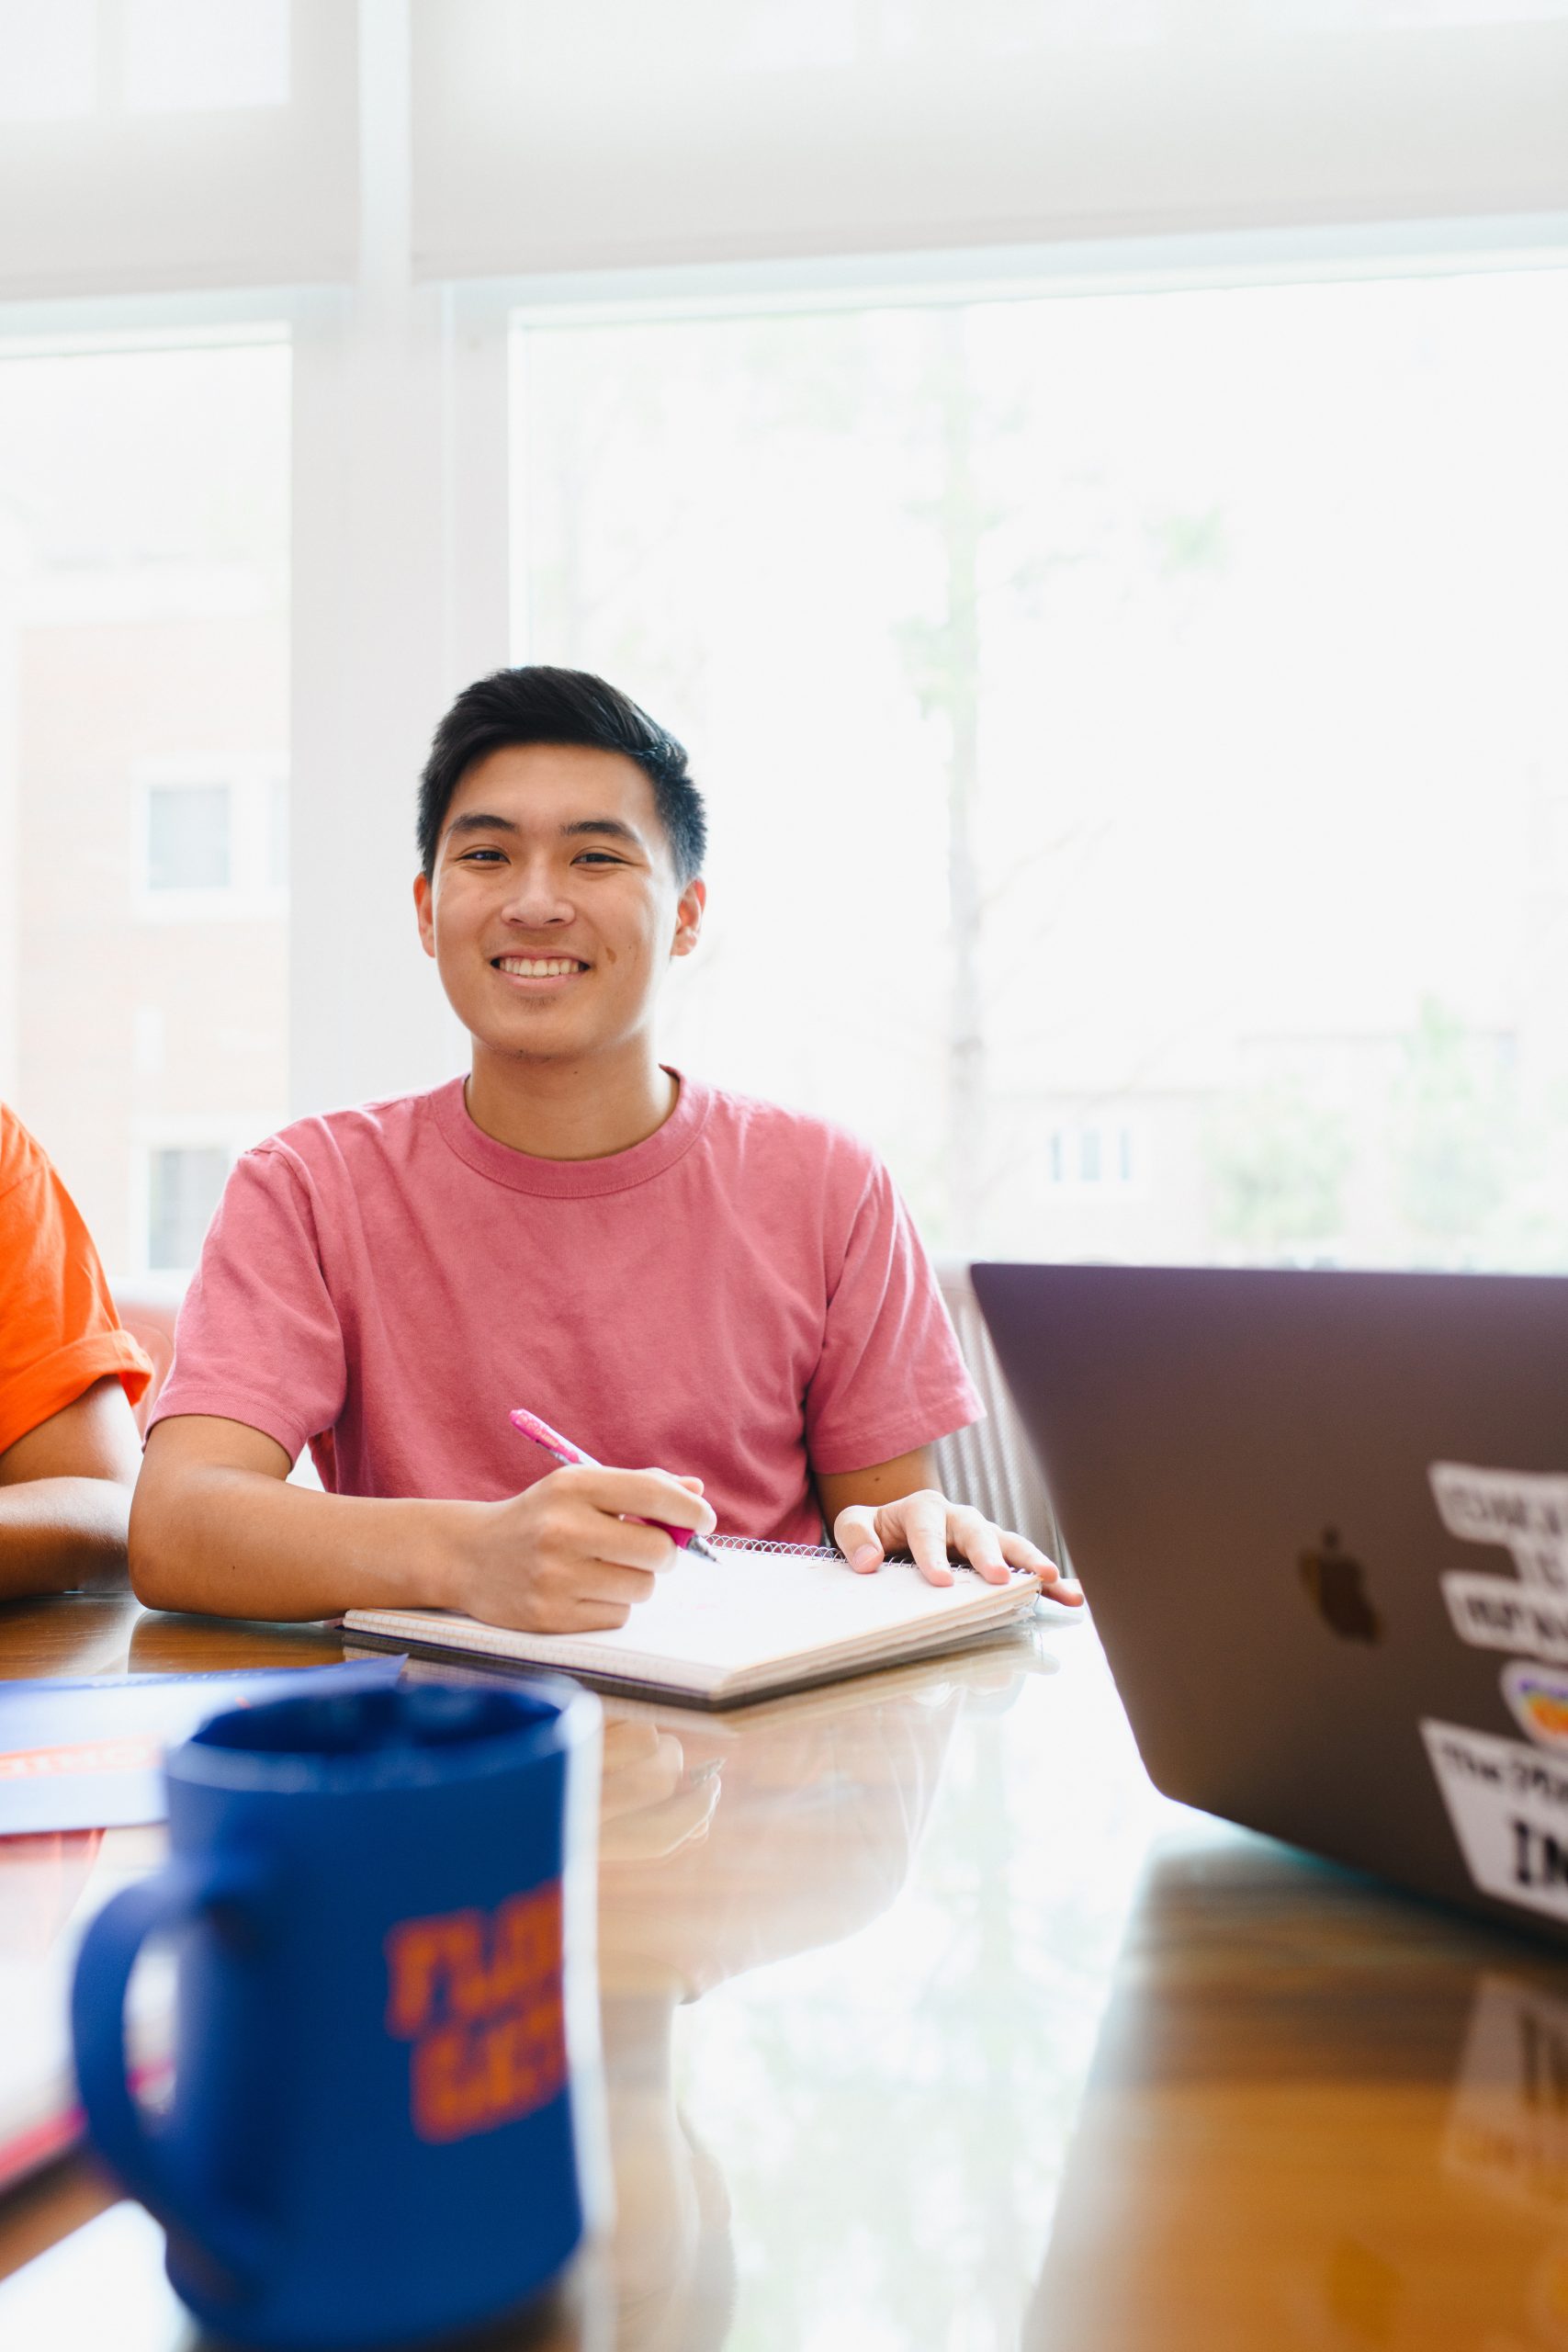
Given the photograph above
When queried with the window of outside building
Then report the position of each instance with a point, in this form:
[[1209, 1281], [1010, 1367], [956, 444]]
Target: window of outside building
[[1081, 1155], [187, 837], [183, 1189]]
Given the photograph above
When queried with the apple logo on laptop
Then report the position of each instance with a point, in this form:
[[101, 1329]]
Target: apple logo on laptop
[[1337, 1585]]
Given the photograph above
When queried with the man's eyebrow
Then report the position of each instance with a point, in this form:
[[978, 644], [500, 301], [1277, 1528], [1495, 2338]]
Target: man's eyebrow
[[476, 821], [610, 826]]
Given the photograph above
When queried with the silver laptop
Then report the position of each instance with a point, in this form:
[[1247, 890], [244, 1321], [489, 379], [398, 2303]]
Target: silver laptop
[[1321, 1521]]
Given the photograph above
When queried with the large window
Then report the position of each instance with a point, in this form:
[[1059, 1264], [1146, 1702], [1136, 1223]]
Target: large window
[[1136, 741], [143, 734]]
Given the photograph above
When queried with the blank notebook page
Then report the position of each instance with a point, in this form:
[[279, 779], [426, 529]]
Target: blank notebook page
[[742, 1609]]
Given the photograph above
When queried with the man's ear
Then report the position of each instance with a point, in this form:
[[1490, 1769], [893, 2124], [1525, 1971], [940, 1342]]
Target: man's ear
[[689, 918], [425, 907]]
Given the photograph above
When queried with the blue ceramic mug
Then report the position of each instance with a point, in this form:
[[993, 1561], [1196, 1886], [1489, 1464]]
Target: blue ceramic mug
[[386, 2114]]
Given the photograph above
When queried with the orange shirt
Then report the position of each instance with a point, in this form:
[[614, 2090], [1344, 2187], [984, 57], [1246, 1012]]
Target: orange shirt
[[59, 1331]]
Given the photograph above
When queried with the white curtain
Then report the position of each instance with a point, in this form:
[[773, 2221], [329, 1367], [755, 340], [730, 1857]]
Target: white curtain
[[154, 144], [150, 144], [613, 134]]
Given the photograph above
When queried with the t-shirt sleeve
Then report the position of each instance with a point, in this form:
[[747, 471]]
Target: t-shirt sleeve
[[258, 1338], [890, 1376], [59, 1331]]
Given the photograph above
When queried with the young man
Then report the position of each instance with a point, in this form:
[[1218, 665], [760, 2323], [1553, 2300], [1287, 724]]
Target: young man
[[664, 1272], [69, 1375]]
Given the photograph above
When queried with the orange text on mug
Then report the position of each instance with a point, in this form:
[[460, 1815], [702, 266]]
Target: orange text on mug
[[478, 1994]]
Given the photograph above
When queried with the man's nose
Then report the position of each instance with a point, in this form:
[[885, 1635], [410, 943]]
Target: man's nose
[[536, 895]]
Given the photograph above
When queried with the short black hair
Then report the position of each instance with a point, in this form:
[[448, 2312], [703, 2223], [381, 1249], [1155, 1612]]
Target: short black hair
[[535, 703]]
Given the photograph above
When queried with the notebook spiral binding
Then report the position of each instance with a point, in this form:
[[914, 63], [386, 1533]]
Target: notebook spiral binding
[[795, 1551], [761, 1544]]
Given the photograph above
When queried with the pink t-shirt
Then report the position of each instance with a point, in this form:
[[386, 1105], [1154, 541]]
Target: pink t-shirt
[[739, 1298]]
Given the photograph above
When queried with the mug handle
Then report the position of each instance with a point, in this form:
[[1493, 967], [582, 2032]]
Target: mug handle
[[183, 1891]]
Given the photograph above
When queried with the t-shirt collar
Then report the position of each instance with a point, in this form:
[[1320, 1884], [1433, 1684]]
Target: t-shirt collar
[[567, 1180]]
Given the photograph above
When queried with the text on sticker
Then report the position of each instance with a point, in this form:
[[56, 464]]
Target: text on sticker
[[1525, 1510], [1503, 1764], [1491, 1613]]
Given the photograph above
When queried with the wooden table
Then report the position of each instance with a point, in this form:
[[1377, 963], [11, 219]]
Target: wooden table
[[929, 2025]]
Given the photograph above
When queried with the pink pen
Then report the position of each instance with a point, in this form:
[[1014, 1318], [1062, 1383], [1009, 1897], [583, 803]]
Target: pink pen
[[563, 1449]]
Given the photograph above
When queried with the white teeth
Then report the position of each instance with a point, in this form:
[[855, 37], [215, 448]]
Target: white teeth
[[538, 967]]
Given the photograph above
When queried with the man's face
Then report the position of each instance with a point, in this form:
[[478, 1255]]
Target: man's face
[[554, 910]]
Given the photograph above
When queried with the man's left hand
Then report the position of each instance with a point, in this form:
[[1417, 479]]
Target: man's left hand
[[935, 1533]]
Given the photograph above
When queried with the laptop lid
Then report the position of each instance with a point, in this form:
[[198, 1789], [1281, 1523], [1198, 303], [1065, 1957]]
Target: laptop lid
[[1322, 1520]]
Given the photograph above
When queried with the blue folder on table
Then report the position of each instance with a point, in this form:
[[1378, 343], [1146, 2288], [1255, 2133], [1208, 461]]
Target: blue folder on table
[[89, 1754]]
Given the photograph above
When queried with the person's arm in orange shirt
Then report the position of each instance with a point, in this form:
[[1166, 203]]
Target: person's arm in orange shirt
[[69, 1451], [65, 1498]]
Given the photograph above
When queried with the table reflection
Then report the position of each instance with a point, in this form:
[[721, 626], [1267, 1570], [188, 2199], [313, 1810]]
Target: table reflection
[[168, 1644], [729, 1843], [1319, 2115], [74, 1633]]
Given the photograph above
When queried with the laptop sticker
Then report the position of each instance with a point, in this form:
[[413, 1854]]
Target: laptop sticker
[[1493, 1613], [1508, 1805], [1508, 2130], [1523, 1511], [1538, 1698]]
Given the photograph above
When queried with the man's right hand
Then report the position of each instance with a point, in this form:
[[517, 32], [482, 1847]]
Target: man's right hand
[[573, 1553], [215, 1526]]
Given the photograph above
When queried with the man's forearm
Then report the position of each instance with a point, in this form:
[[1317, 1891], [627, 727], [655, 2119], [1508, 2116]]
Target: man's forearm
[[62, 1535], [228, 1542]]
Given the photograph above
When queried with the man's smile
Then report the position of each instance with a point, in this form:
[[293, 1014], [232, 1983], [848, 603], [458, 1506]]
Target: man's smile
[[539, 975]]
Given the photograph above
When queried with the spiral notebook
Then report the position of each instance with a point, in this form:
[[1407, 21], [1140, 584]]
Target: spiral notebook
[[756, 1620]]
